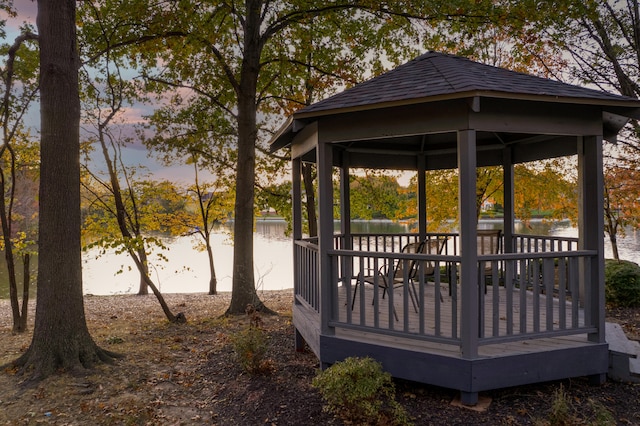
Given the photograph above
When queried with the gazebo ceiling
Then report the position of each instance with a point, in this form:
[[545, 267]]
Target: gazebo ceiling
[[417, 108], [441, 153]]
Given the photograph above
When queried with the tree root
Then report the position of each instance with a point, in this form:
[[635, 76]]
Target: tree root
[[257, 306], [263, 309], [38, 362]]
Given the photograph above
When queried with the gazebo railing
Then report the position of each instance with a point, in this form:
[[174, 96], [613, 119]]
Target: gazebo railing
[[306, 284], [536, 243], [523, 295], [362, 302], [392, 242], [532, 295], [522, 243]]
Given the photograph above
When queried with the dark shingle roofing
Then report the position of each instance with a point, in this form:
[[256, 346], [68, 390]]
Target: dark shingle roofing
[[438, 75]]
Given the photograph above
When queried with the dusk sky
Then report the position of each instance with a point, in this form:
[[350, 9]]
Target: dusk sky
[[135, 154]]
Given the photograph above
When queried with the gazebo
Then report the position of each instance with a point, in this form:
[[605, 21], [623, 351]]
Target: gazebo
[[531, 308]]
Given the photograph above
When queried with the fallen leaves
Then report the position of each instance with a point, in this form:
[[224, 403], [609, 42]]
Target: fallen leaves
[[187, 374]]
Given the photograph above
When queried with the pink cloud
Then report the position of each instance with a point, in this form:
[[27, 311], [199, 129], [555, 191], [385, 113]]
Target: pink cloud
[[27, 11]]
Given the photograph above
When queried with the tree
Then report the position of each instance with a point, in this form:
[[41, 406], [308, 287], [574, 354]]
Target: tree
[[319, 66], [601, 38], [488, 186], [621, 203], [61, 340], [213, 206], [232, 55], [183, 134], [442, 194], [263, 28], [105, 95], [547, 188], [541, 187], [509, 36], [18, 166], [374, 195], [137, 207], [19, 216], [125, 220]]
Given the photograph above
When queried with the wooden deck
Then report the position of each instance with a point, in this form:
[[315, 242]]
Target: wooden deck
[[526, 329], [410, 347]]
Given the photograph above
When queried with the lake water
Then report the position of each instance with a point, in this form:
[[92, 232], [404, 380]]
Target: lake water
[[187, 270]]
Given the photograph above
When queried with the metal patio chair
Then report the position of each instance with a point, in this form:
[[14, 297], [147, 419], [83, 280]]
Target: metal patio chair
[[393, 275]]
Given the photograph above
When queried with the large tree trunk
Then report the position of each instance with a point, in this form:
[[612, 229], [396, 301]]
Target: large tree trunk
[[61, 340], [243, 288]]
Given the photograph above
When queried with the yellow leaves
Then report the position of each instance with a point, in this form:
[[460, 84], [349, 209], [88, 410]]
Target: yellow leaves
[[622, 205], [545, 189]]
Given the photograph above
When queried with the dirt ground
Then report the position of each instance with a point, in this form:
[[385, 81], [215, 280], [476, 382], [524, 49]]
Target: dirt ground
[[188, 375]]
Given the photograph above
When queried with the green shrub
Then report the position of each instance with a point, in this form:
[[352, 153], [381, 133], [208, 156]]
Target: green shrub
[[360, 392], [250, 346], [622, 283]]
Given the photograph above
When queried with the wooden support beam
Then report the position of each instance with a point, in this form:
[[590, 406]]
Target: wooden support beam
[[296, 205], [591, 230], [296, 197], [468, 243], [325, 232], [509, 208], [422, 197]]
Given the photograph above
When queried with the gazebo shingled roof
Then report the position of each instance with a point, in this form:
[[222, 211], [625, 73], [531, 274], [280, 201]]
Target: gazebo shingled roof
[[435, 75]]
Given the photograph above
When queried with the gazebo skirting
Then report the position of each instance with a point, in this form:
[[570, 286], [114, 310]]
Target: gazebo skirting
[[531, 315]]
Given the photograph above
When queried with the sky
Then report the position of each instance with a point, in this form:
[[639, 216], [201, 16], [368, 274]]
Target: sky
[[133, 155], [27, 10]]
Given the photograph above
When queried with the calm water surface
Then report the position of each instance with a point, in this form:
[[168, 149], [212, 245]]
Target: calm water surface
[[187, 270]]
